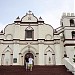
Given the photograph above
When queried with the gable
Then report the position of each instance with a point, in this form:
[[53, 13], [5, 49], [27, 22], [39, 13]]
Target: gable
[[29, 17]]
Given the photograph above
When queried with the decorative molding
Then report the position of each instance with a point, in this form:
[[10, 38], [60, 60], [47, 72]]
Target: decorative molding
[[73, 39], [29, 22], [65, 57], [69, 44]]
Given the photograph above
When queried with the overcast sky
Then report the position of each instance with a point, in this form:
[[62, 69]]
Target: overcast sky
[[50, 10]]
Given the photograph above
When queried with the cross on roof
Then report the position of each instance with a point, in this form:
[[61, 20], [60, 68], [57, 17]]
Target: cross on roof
[[29, 12]]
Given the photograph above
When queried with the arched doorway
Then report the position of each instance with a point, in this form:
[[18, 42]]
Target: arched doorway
[[49, 60], [49, 57], [28, 55], [7, 59]]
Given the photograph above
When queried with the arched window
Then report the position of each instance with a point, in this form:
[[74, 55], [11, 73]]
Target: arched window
[[73, 34], [71, 22], [29, 33], [62, 24]]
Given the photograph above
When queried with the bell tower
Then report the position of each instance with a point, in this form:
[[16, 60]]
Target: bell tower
[[68, 24]]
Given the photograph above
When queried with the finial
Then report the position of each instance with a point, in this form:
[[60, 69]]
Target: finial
[[18, 17], [1, 31], [30, 12], [40, 17], [40, 20]]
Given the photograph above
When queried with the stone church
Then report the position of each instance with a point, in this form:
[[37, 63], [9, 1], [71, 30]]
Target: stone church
[[31, 36]]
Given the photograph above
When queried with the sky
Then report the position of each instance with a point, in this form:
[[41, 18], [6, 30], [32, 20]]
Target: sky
[[50, 10]]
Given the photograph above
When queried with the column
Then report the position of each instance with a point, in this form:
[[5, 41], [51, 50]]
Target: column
[[16, 52], [57, 54], [19, 58], [45, 55], [11, 63], [22, 59], [2, 59], [37, 59], [41, 54], [53, 57]]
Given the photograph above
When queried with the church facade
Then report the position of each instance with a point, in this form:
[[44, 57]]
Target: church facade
[[30, 36]]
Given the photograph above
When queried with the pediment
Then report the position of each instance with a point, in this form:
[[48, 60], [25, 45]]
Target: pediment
[[29, 17]]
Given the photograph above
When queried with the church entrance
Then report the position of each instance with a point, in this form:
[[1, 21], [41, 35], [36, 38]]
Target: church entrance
[[28, 55]]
